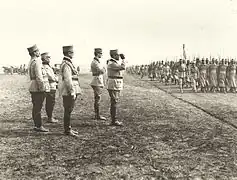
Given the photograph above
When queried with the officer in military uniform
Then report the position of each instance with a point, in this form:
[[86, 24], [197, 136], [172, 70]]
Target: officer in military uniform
[[115, 82], [38, 86], [97, 82], [50, 96], [69, 88]]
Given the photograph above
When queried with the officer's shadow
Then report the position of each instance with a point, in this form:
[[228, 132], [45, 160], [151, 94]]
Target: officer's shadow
[[26, 132], [91, 124]]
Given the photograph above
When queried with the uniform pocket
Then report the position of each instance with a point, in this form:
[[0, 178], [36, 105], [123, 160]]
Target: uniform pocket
[[119, 83]]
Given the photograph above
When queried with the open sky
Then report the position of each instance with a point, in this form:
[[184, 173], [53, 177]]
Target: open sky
[[144, 30]]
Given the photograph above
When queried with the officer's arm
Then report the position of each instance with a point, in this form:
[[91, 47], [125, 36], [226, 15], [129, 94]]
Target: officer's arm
[[67, 75], [51, 75], [116, 66], [39, 75]]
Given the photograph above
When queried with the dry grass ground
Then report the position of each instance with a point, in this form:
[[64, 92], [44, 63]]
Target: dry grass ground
[[163, 137]]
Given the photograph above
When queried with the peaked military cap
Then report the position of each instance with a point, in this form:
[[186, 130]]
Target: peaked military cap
[[68, 49], [98, 50], [32, 48], [113, 52], [46, 54]]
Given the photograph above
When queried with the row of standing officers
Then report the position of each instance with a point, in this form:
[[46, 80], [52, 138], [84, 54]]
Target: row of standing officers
[[44, 84]]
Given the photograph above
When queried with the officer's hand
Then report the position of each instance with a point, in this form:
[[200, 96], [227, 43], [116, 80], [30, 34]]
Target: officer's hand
[[74, 96], [104, 69], [122, 56]]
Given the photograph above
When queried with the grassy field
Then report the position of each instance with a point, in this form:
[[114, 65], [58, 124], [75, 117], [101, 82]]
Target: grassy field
[[164, 136]]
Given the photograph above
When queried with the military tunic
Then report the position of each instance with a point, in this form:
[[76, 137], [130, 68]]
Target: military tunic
[[38, 76], [97, 73], [115, 75], [70, 82], [51, 77], [50, 96]]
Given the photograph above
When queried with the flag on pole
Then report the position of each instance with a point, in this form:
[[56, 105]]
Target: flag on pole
[[184, 53]]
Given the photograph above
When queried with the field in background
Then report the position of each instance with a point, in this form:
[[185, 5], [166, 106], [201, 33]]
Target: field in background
[[164, 137]]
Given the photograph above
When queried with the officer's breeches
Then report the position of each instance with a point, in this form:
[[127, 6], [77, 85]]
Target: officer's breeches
[[97, 96], [68, 104], [50, 102], [37, 101], [114, 97]]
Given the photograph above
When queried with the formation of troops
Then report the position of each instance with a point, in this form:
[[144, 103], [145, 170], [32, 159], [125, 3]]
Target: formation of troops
[[205, 75], [22, 70], [44, 84]]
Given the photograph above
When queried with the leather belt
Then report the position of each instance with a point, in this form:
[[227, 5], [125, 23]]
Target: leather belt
[[74, 78], [115, 77], [95, 74]]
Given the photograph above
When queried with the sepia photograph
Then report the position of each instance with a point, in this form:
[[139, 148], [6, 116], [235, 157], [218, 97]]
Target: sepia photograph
[[118, 90]]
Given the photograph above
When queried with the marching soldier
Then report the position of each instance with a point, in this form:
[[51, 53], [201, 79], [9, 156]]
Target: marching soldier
[[150, 71], [50, 96], [167, 73], [142, 70], [70, 88], [194, 74], [182, 74], [203, 76], [188, 74], [222, 76], [115, 82], [97, 82], [213, 75], [207, 80], [231, 71], [38, 86]]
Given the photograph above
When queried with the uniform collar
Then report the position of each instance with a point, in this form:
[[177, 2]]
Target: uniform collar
[[97, 59], [67, 59], [34, 58], [114, 60]]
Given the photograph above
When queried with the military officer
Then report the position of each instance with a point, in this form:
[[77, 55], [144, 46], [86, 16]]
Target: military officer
[[115, 82], [50, 96], [38, 86], [69, 88], [97, 82]]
